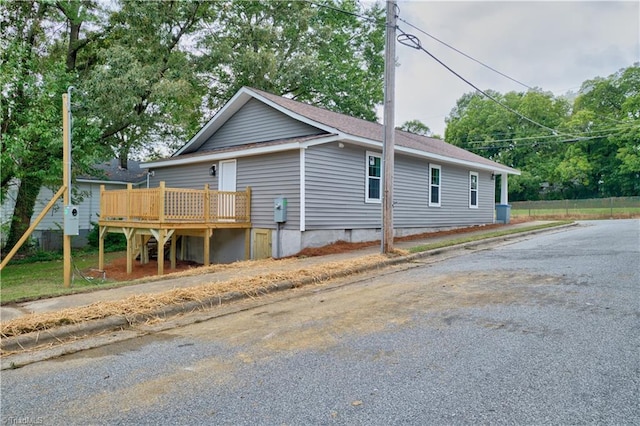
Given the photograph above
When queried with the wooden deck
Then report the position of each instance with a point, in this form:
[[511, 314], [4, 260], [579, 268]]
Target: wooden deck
[[168, 213]]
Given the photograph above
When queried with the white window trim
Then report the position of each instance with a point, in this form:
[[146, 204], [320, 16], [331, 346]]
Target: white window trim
[[366, 177], [471, 206], [439, 203]]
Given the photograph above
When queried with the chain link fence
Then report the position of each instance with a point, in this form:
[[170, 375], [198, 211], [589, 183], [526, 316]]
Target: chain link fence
[[593, 208]]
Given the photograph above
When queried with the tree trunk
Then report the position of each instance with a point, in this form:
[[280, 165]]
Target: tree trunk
[[25, 203]]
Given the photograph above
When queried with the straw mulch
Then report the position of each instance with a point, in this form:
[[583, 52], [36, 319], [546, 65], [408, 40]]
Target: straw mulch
[[147, 304]]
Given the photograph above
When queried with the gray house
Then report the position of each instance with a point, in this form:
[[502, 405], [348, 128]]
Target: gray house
[[86, 193], [327, 168]]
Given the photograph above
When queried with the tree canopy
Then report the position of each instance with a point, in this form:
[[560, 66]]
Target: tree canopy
[[594, 150], [146, 75]]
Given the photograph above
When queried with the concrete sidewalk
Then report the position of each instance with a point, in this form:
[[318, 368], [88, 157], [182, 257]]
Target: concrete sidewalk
[[162, 284]]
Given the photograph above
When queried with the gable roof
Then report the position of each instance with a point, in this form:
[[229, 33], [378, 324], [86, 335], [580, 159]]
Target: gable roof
[[337, 127]]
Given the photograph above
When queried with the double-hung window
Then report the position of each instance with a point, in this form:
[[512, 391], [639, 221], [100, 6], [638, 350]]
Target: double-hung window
[[373, 190], [473, 190], [435, 185]]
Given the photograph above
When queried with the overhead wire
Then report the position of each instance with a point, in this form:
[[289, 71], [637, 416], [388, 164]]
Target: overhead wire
[[413, 41], [464, 54]]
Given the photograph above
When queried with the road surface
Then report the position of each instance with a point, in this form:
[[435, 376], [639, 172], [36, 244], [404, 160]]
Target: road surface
[[543, 330]]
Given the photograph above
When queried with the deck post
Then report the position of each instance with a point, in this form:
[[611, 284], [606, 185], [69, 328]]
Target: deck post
[[247, 244], [129, 233], [172, 253], [161, 202], [129, 197], [207, 244], [162, 236], [207, 200], [248, 206]]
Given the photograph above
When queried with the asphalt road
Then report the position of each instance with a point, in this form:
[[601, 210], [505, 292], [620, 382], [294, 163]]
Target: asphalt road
[[538, 331]]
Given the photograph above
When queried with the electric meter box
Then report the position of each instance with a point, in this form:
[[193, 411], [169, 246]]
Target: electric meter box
[[71, 220], [280, 210]]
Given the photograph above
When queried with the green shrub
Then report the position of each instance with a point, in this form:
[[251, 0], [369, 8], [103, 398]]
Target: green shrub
[[112, 242]]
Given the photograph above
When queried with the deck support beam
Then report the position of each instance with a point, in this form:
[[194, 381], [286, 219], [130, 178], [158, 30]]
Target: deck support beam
[[129, 233], [172, 252], [247, 244], [207, 246]]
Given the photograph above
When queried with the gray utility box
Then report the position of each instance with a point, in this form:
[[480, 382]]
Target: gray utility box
[[71, 220], [503, 213], [280, 210]]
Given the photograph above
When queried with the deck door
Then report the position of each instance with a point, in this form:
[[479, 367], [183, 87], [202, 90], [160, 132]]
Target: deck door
[[227, 184]]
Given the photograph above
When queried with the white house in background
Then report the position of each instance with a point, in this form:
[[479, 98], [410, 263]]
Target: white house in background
[[48, 234], [328, 167]]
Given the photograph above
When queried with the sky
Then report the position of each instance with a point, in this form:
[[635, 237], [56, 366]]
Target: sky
[[551, 45]]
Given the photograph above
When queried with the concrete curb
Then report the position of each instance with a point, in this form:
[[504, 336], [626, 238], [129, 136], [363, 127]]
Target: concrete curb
[[65, 333]]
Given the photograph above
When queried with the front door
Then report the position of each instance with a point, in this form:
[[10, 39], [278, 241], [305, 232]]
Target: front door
[[227, 184]]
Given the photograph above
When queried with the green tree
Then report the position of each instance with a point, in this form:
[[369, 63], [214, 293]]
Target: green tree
[[143, 90], [32, 82], [479, 124], [291, 48], [416, 127], [607, 110]]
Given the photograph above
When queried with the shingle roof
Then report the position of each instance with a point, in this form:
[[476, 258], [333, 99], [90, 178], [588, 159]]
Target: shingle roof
[[111, 171], [375, 131]]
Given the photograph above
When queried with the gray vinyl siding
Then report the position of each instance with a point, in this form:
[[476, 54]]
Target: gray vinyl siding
[[335, 193], [269, 176], [87, 198], [411, 193], [335, 189], [257, 122], [193, 176]]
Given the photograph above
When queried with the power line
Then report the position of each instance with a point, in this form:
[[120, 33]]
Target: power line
[[412, 41], [572, 140], [464, 54], [578, 135]]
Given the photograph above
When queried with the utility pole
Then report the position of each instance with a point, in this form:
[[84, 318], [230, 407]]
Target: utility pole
[[389, 128], [66, 181]]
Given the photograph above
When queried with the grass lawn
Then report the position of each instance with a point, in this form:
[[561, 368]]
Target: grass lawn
[[471, 238], [579, 213], [20, 281]]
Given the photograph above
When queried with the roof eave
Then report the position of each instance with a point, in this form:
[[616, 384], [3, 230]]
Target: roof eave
[[247, 152]]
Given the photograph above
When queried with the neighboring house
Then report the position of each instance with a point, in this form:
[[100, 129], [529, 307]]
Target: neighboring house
[[86, 193], [328, 167]]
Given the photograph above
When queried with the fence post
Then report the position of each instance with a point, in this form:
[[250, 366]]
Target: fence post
[[611, 206]]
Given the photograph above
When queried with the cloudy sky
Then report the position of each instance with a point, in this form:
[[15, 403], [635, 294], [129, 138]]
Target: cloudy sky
[[552, 45]]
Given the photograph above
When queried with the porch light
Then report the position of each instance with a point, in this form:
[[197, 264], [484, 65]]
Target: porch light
[[212, 170]]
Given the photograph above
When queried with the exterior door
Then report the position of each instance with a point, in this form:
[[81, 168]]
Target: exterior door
[[261, 243], [227, 184]]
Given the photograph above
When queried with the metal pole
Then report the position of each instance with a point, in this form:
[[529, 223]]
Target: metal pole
[[389, 128]]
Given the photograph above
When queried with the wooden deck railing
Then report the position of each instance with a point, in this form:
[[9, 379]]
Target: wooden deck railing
[[164, 204]]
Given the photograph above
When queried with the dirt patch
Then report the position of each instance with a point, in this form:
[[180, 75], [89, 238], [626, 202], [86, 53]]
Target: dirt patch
[[344, 246], [116, 270]]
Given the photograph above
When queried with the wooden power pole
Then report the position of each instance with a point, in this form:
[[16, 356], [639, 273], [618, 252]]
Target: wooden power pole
[[66, 182], [389, 128]]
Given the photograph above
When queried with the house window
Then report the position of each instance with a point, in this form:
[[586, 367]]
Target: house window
[[434, 185], [473, 190], [373, 189]]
